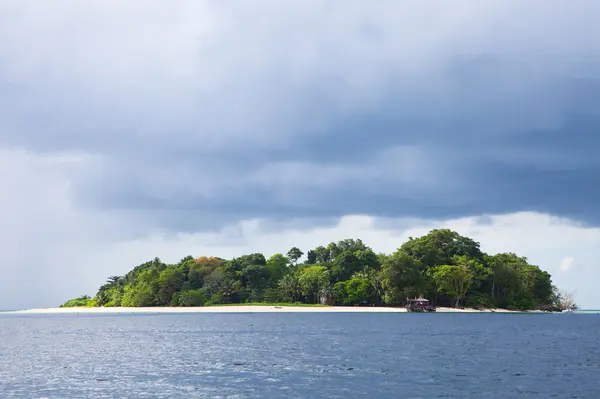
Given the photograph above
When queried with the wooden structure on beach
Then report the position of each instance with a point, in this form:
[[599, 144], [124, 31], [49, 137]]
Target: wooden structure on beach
[[419, 304]]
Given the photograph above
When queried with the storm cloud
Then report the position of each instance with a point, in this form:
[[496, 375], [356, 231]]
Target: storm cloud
[[309, 108]]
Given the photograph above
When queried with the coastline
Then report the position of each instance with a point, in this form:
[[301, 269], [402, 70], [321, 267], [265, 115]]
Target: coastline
[[244, 309]]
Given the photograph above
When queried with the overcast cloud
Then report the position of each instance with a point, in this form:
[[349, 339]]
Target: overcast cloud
[[146, 128]]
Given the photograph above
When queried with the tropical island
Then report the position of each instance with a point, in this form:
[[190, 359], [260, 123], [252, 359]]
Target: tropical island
[[449, 269]]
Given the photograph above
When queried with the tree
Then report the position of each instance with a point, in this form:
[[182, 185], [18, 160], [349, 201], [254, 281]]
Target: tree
[[221, 287], [311, 257], [312, 280], [200, 268], [324, 255], [190, 298], [478, 270], [505, 282], [345, 265], [82, 301], [516, 284], [169, 282], [375, 280], [290, 288], [340, 297], [401, 278], [277, 267], [368, 258], [358, 290], [542, 289], [294, 254], [247, 266], [185, 264], [114, 280], [141, 296], [214, 281], [454, 280], [347, 245], [566, 300], [319, 255], [256, 276], [439, 246]]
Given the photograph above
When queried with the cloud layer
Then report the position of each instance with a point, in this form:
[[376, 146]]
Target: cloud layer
[[311, 108], [146, 118]]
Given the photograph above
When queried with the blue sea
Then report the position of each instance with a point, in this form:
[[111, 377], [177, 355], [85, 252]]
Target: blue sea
[[300, 355]]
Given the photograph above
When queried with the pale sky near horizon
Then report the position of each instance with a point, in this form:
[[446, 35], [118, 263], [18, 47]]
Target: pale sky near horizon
[[130, 130]]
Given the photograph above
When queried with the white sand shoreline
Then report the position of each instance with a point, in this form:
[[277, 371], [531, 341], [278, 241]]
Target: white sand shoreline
[[244, 309]]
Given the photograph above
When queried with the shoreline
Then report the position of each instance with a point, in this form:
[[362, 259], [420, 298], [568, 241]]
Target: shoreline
[[246, 309]]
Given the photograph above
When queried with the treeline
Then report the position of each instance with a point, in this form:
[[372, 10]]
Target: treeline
[[447, 268]]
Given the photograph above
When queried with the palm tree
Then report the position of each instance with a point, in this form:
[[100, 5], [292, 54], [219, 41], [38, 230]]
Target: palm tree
[[114, 280], [290, 287], [375, 281]]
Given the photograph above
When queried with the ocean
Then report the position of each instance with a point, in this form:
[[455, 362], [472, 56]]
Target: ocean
[[300, 355]]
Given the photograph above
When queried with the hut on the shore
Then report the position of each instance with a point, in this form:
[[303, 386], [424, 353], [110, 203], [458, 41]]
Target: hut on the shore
[[419, 304]]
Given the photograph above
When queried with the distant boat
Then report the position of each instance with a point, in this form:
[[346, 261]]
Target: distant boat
[[419, 304]]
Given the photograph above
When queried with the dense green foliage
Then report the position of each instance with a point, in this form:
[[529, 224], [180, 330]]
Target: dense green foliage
[[83, 301], [449, 269]]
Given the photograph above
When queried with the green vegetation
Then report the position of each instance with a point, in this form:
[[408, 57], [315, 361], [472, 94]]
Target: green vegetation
[[83, 301], [443, 266]]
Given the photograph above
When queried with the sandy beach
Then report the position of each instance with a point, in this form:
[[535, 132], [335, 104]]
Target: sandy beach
[[243, 309]]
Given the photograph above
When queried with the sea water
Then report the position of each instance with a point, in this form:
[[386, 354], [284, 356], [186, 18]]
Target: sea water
[[302, 355]]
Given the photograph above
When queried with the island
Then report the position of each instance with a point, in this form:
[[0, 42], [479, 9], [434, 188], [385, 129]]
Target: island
[[449, 269]]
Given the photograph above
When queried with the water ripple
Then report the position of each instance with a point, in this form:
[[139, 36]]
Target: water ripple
[[300, 356]]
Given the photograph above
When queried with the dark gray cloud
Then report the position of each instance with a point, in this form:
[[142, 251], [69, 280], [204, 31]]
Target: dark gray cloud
[[202, 114]]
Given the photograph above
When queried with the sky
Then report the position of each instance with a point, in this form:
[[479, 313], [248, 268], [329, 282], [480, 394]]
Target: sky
[[131, 130]]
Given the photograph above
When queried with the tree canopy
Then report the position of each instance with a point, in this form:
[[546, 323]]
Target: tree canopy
[[449, 269]]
